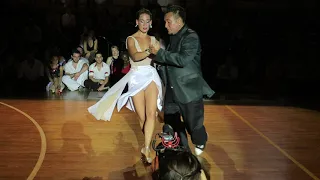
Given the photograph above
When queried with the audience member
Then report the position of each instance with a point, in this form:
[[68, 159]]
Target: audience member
[[98, 74], [90, 46], [116, 65], [115, 55], [55, 74], [80, 49], [126, 63], [31, 74], [76, 72], [172, 165]]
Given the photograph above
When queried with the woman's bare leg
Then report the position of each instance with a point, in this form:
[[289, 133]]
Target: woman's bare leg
[[56, 84], [140, 106], [151, 95]]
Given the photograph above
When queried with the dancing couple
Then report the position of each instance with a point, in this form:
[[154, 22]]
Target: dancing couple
[[181, 76]]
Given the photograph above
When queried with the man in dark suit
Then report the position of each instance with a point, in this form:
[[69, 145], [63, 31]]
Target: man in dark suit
[[182, 76]]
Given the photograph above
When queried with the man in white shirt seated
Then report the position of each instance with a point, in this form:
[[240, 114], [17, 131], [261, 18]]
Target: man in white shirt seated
[[76, 72], [31, 74], [31, 69], [98, 74], [80, 49]]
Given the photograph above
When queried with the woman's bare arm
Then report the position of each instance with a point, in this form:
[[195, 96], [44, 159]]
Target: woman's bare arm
[[134, 54], [85, 47], [95, 47]]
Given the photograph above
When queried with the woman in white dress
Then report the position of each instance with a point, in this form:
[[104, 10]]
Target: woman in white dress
[[144, 95]]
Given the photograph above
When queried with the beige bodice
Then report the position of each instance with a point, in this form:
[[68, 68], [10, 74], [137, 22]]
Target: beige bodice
[[146, 61]]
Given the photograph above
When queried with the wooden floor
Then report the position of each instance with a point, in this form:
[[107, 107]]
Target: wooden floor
[[59, 139]]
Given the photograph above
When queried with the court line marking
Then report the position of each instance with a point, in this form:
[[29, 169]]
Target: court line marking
[[43, 142], [273, 144]]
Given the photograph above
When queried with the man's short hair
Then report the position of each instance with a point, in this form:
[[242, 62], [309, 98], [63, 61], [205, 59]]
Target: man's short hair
[[99, 52], [75, 51], [178, 11], [115, 47]]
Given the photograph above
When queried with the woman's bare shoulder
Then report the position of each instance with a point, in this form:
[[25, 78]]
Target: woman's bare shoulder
[[133, 35]]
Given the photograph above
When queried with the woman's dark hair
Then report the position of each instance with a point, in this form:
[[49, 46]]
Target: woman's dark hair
[[92, 33], [75, 51], [181, 166], [143, 11]]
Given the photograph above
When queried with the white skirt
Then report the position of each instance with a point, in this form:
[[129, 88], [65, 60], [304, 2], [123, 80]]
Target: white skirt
[[138, 78]]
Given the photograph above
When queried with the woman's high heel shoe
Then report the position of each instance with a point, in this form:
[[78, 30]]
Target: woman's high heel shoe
[[145, 159]]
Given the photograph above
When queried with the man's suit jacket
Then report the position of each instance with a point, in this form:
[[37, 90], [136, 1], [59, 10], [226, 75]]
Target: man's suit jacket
[[181, 68]]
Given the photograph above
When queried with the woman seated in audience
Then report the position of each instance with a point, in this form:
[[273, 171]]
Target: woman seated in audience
[[126, 63], [51, 51], [116, 66], [83, 36], [55, 73], [114, 55], [90, 46], [62, 60]]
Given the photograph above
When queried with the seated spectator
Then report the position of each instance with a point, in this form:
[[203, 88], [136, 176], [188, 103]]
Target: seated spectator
[[83, 35], [76, 72], [53, 50], [31, 74], [62, 61], [126, 63], [126, 67], [90, 46], [178, 165], [116, 66], [55, 73], [9, 70], [80, 49], [98, 74], [115, 55]]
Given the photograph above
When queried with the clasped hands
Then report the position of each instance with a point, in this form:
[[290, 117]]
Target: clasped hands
[[154, 48], [75, 76]]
